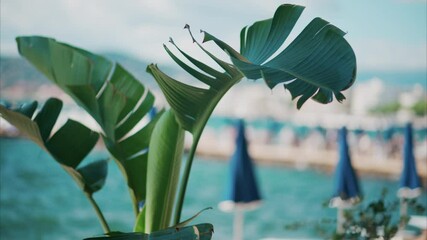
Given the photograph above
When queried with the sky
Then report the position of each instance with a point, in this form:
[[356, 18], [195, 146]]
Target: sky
[[386, 35]]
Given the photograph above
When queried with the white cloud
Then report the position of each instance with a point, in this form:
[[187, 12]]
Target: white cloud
[[141, 27], [136, 27], [97, 25]]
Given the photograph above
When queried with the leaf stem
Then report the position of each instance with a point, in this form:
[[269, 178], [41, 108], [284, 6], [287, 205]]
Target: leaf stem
[[101, 218], [196, 137], [182, 190]]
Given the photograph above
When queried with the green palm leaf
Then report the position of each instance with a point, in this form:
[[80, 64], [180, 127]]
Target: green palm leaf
[[21, 118], [69, 145], [318, 64], [110, 94]]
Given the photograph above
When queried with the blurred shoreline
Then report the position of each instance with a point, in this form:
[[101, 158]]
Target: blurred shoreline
[[306, 158]]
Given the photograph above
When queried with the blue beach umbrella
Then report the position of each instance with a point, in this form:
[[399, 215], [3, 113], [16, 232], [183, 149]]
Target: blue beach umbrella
[[347, 190], [152, 113], [346, 187], [410, 183], [242, 192]]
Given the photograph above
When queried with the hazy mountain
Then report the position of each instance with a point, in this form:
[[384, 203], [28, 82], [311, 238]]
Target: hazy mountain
[[20, 80], [14, 70], [17, 70], [137, 68]]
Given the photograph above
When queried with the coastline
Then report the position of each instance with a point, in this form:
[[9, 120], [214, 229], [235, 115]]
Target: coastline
[[302, 158], [299, 157]]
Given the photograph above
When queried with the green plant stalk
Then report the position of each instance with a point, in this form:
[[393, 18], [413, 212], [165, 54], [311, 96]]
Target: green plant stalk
[[98, 211], [187, 168], [92, 201]]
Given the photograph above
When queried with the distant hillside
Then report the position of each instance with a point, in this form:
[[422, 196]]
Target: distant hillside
[[14, 70], [17, 70], [136, 67]]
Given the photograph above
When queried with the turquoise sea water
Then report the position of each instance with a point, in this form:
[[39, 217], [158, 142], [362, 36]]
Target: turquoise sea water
[[402, 79], [38, 200]]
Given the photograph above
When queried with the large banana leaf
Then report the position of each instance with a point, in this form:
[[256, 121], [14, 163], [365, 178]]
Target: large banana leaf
[[197, 232], [110, 94], [319, 63]]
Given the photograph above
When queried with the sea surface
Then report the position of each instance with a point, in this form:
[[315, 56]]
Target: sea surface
[[38, 200], [403, 79]]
